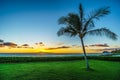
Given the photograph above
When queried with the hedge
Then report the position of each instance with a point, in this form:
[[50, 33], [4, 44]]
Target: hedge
[[46, 59]]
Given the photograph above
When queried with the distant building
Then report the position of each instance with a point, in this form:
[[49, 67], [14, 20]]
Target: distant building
[[106, 53]]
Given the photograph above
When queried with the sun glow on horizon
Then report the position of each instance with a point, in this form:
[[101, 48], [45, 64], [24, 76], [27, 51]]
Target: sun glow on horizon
[[53, 48], [61, 48]]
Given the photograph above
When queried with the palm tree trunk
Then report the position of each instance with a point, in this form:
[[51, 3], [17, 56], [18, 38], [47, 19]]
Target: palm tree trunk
[[85, 57]]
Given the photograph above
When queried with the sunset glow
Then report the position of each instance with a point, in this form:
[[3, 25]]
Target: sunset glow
[[55, 49]]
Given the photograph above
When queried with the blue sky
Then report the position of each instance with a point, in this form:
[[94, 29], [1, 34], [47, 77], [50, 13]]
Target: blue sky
[[31, 21]]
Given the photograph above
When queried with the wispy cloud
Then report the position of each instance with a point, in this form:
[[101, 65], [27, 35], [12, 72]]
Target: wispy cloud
[[106, 49], [10, 44], [78, 46], [25, 45], [99, 45], [60, 43], [40, 44], [61, 47]]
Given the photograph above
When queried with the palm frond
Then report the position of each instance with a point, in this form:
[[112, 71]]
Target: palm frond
[[68, 31], [90, 25], [97, 14], [81, 11], [72, 20], [82, 16], [61, 31], [103, 31], [63, 20]]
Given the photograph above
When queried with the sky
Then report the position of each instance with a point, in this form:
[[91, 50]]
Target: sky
[[34, 21]]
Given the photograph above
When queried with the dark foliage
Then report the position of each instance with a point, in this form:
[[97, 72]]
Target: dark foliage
[[47, 59]]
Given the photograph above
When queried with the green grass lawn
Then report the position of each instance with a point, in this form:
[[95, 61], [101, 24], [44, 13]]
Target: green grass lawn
[[62, 70]]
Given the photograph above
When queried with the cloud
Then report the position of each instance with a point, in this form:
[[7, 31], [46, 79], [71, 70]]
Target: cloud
[[25, 45], [86, 45], [62, 47], [10, 44], [99, 45], [77, 46], [40, 44], [106, 49], [60, 43]]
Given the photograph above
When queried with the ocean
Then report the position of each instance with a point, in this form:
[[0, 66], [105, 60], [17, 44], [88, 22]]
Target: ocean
[[42, 55]]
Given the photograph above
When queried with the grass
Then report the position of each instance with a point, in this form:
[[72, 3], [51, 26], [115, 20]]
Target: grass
[[60, 70]]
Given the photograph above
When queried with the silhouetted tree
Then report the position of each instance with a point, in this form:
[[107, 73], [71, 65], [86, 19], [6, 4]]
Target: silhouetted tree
[[81, 25]]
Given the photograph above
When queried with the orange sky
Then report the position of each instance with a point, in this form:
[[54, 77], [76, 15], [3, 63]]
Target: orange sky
[[60, 47], [54, 49]]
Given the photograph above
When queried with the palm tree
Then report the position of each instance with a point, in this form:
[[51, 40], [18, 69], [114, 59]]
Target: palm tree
[[81, 25]]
